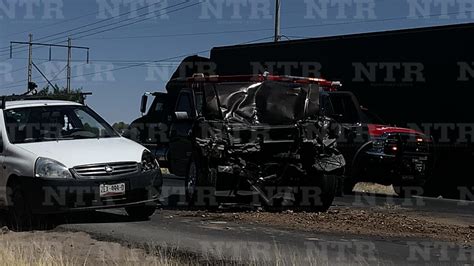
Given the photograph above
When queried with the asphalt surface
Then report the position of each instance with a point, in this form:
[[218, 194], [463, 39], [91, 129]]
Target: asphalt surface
[[244, 243]]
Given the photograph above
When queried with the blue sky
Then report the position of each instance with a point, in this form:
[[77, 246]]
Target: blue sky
[[199, 27]]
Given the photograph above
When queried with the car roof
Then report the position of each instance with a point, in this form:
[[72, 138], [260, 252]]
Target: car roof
[[38, 103]]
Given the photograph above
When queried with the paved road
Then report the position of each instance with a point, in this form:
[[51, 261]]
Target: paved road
[[214, 239]]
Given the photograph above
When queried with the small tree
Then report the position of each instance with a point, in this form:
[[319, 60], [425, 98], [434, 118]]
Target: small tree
[[62, 93], [120, 127]]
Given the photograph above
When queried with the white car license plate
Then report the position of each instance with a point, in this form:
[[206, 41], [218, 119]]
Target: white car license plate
[[112, 190]]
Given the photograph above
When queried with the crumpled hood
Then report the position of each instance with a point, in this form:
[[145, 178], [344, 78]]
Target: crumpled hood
[[73, 153], [268, 102]]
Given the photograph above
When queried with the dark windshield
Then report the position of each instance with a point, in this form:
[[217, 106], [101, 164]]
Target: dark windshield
[[372, 118], [51, 123]]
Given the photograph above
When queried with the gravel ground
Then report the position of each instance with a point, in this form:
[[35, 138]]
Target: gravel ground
[[385, 222]]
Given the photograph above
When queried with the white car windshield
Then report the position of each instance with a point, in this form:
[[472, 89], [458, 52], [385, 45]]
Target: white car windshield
[[52, 123]]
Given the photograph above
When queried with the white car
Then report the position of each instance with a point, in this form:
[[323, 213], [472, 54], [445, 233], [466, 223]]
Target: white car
[[60, 156]]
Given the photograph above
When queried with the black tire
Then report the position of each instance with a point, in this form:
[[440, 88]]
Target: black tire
[[20, 216], [197, 182], [141, 212], [190, 183], [327, 188]]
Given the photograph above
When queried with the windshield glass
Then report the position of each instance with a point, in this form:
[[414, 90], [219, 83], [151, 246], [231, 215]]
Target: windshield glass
[[51, 123], [372, 118], [344, 108]]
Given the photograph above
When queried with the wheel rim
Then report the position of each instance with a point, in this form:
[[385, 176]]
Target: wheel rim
[[191, 180]]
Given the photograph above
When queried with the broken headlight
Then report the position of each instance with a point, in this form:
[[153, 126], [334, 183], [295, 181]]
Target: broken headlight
[[378, 146], [149, 161], [384, 146]]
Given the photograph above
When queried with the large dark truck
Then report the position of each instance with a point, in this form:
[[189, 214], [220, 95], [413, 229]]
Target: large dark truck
[[256, 139], [417, 78]]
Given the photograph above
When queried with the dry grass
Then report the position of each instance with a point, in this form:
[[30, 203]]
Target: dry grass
[[65, 249]]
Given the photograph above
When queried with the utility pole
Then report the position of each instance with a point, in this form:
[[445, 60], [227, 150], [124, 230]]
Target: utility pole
[[30, 59], [31, 63], [69, 54], [277, 21]]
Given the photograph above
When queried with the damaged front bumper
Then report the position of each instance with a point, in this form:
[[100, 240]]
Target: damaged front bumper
[[396, 169], [281, 158]]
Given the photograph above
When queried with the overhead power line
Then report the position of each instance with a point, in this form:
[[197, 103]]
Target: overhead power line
[[263, 29], [180, 34], [62, 22], [94, 23], [139, 64], [138, 21], [114, 24], [165, 59], [134, 22], [94, 60]]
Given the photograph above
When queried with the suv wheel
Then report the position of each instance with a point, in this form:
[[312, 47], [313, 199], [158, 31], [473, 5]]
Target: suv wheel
[[327, 186], [191, 183], [197, 182], [141, 212]]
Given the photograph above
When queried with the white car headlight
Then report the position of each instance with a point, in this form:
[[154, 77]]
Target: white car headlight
[[49, 168]]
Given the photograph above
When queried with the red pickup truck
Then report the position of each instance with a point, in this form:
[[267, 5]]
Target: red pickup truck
[[376, 152]]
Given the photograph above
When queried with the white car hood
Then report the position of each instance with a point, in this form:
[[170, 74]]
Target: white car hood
[[73, 153]]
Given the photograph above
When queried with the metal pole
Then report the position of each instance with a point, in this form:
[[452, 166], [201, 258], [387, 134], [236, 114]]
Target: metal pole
[[30, 61], [30, 44], [69, 54], [277, 21]]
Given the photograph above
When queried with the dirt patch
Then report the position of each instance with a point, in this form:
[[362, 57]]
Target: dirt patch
[[376, 221], [62, 248], [374, 188]]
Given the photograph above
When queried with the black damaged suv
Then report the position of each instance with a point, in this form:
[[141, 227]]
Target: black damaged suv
[[245, 138]]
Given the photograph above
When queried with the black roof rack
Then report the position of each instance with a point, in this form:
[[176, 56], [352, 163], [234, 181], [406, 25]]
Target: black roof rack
[[74, 97]]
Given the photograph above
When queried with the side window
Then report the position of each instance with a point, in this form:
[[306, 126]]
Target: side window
[[345, 107], [184, 104], [325, 106], [159, 108], [199, 102]]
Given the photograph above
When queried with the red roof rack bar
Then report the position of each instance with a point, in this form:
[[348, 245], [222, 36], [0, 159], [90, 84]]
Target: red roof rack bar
[[328, 85]]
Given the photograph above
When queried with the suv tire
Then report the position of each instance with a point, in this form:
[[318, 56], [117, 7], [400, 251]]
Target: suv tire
[[196, 182], [20, 215], [327, 186]]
